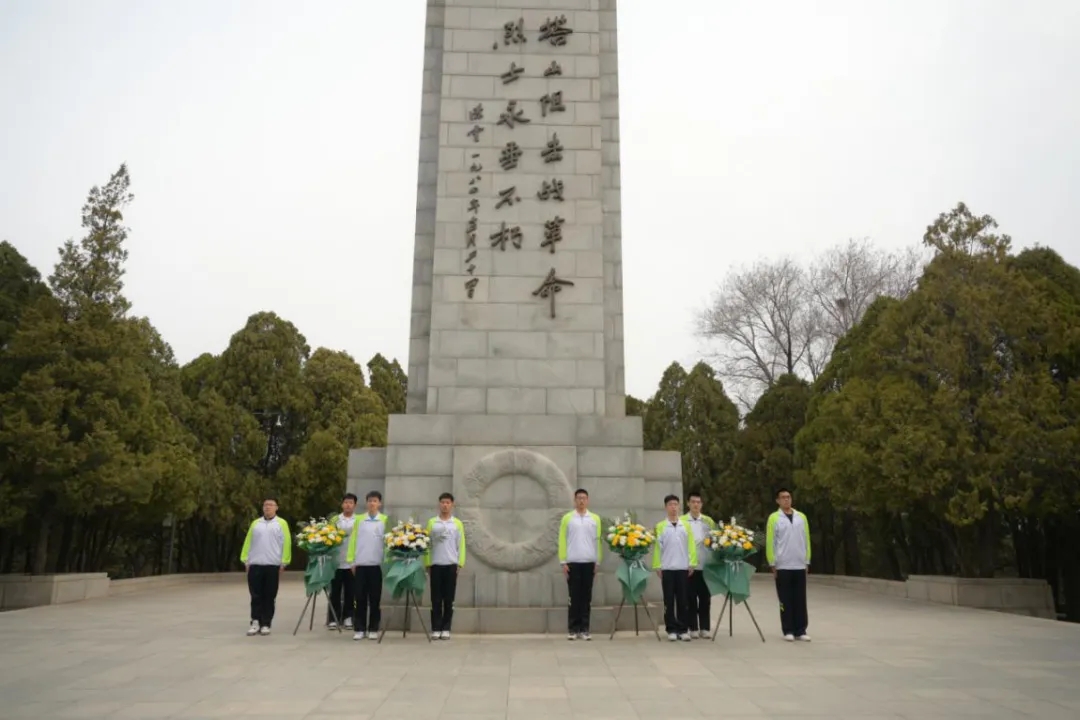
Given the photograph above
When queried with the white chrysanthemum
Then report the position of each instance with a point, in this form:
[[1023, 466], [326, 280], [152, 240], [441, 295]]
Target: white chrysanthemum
[[622, 540]]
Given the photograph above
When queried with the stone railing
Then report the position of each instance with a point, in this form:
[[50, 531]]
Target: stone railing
[[1012, 595], [1019, 596], [23, 591]]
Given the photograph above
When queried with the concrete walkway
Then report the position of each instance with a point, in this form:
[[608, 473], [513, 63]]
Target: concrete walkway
[[183, 654]]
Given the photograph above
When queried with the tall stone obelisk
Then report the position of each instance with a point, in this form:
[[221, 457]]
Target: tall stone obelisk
[[516, 365]]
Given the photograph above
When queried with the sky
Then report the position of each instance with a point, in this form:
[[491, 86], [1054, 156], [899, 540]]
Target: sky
[[272, 147]]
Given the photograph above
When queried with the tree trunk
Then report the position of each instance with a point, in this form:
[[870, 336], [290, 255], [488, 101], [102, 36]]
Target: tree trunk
[[1069, 562], [63, 556], [850, 530], [41, 548]]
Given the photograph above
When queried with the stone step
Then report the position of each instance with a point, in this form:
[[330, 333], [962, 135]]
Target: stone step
[[523, 621]]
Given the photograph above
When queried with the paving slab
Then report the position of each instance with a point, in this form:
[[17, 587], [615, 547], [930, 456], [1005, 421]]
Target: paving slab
[[182, 653]]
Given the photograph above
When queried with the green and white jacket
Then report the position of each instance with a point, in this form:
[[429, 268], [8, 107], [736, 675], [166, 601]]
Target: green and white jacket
[[787, 541], [268, 542]]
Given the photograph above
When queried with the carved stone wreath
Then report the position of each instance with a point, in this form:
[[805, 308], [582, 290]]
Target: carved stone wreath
[[496, 552]]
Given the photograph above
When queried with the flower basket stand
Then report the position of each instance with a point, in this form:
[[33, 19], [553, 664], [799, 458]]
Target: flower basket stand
[[637, 628], [312, 600], [410, 599], [729, 604]]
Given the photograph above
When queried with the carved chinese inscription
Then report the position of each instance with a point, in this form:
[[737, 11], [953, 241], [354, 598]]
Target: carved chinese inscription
[[470, 229], [514, 32], [555, 31], [550, 287], [551, 190], [508, 158], [477, 113], [507, 197], [554, 150], [475, 133], [512, 74], [552, 102], [554, 69], [552, 234], [512, 115], [505, 235]]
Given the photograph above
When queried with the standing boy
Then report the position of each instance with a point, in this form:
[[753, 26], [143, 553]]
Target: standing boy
[[444, 558], [367, 547], [579, 555], [341, 587], [700, 599], [266, 553], [674, 559], [787, 550]]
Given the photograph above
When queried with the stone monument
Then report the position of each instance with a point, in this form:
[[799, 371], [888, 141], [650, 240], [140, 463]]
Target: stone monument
[[516, 364]]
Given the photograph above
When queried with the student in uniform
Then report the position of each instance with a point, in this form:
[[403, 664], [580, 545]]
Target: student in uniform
[[579, 555], [699, 597], [341, 588], [674, 559], [787, 550], [266, 553], [367, 547], [444, 559]]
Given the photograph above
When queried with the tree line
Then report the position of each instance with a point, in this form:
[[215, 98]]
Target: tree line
[[938, 433], [115, 458], [924, 406]]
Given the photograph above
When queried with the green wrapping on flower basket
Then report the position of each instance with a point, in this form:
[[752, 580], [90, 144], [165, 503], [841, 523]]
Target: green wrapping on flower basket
[[320, 570], [632, 576], [404, 573], [726, 577]]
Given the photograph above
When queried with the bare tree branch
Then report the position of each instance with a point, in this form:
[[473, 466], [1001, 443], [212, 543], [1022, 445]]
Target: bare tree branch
[[776, 317]]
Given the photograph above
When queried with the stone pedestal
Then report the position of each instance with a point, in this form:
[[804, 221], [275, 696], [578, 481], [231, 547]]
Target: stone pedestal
[[516, 370], [513, 479]]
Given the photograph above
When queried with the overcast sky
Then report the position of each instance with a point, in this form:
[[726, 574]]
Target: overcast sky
[[272, 147]]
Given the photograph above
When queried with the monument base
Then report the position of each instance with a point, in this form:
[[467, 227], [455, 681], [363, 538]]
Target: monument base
[[513, 477]]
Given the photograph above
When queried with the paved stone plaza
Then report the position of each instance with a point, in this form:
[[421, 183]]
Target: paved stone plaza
[[183, 654]]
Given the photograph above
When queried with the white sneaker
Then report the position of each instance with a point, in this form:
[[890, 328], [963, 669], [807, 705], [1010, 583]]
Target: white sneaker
[[253, 628], [358, 636], [373, 635], [348, 624], [803, 638], [571, 636], [789, 637], [672, 637], [704, 634], [445, 634], [685, 637], [264, 631], [331, 626], [585, 636]]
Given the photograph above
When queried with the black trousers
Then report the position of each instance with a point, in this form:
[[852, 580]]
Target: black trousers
[[341, 596], [676, 606], [699, 602], [443, 590], [579, 583], [791, 590], [368, 592], [263, 587]]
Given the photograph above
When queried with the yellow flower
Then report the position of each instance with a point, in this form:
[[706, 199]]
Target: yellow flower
[[747, 546], [708, 542], [632, 542]]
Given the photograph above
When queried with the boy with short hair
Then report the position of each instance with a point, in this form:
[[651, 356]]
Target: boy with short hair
[[580, 554], [699, 597], [674, 559], [444, 559], [266, 553], [787, 550], [340, 609], [367, 547]]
